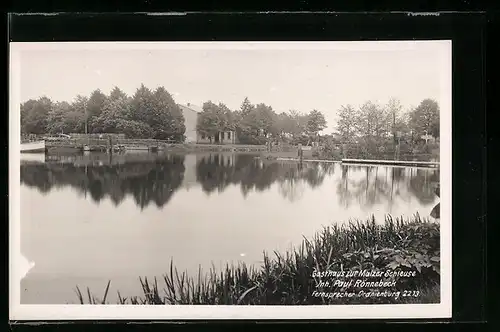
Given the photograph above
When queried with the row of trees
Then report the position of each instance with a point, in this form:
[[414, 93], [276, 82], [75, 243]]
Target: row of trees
[[154, 114], [257, 123], [147, 114], [375, 122]]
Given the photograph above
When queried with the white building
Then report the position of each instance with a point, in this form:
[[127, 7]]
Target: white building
[[190, 113]]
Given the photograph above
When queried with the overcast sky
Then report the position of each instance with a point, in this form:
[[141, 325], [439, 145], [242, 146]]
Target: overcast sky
[[318, 77]]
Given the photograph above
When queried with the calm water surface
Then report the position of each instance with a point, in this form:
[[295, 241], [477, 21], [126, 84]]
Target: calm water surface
[[88, 219]]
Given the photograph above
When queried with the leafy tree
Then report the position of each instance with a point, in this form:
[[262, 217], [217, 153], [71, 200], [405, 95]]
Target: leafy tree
[[165, 118], [246, 120], [142, 105], [116, 94], [96, 103], [57, 118], [251, 129], [246, 107], [283, 124], [247, 127], [372, 121], [210, 120], [402, 125], [80, 104], [25, 111], [237, 118], [74, 121], [34, 115], [297, 123], [264, 119], [78, 118], [276, 129], [146, 114], [435, 131], [133, 128], [115, 110], [393, 109], [346, 125], [425, 118], [315, 122], [230, 117]]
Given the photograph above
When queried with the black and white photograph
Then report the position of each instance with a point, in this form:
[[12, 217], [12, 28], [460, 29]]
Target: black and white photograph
[[230, 179]]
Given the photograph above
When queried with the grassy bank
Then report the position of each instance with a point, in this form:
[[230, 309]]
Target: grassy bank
[[409, 247]]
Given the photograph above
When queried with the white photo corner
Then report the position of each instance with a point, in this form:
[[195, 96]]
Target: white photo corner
[[241, 180]]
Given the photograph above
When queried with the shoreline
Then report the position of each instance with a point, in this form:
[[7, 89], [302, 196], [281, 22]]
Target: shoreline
[[159, 146], [261, 150]]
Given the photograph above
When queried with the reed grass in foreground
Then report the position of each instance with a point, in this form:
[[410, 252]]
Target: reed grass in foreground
[[408, 247]]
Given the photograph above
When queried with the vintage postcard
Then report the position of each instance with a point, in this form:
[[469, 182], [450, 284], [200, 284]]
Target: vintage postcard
[[242, 180]]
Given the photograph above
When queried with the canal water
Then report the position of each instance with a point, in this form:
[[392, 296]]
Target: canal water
[[92, 218]]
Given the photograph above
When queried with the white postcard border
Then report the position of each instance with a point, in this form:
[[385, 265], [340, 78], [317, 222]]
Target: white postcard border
[[187, 312]]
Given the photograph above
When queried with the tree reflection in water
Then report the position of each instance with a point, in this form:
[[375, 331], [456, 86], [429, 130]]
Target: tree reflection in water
[[371, 185], [218, 171], [146, 181], [155, 179]]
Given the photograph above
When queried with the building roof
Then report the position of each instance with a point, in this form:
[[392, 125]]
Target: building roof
[[191, 107]]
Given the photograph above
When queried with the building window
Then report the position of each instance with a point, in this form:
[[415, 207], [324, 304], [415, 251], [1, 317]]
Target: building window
[[228, 135]]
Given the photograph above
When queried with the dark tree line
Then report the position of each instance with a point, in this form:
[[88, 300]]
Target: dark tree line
[[154, 114], [146, 114]]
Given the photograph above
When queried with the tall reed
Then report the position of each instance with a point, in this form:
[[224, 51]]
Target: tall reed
[[289, 278]]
